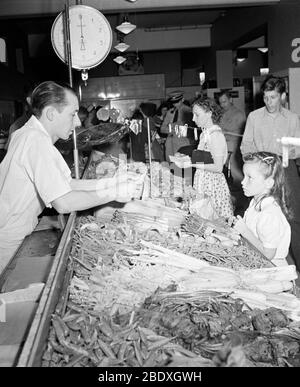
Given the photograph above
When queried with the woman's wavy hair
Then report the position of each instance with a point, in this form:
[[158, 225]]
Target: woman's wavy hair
[[270, 165], [210, 105]]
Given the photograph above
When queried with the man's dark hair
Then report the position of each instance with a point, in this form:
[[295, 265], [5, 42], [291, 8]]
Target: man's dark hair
[[49, 93], [137, 115], [164, 104], [274, 83], [224, 92], [148, 108]]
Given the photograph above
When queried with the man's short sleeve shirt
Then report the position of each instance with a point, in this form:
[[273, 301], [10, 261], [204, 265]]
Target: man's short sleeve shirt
[[32, 175]]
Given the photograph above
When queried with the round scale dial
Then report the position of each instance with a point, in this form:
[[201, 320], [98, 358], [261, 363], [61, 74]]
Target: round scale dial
[[90, 35]]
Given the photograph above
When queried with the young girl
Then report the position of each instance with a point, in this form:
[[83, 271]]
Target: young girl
[[264, 223], [209, 178]]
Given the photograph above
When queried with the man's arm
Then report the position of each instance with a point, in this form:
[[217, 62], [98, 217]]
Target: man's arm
[[104, 183], [248, 145], [239, 122], [83, 200], [167, 120], [294, 151], [90, 184], [80, 200], [186, 116]]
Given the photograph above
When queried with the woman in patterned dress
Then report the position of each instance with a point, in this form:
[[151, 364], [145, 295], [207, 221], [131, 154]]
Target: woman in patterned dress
[[209, 178]]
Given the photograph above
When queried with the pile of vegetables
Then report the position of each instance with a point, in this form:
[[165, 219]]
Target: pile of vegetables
[[83, 339], [172, 329], [210, 323], [118, 264], [117, 314], [218, 232], [105, 276]]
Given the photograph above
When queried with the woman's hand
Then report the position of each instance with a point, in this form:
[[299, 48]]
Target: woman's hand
[[181, 160], [183, 163]]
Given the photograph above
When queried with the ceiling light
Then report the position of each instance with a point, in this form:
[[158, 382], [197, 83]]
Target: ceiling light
[[126, 27], [241, 54], [132, 1], [122, 47], [202, 77], [119, 59], [263, 49], [264, 70]]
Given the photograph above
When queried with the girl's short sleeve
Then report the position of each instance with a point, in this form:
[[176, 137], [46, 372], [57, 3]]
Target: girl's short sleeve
[[268, 229]]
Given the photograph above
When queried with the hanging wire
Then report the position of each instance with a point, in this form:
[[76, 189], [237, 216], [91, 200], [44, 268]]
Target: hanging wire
[[135, 22], [137, 50]]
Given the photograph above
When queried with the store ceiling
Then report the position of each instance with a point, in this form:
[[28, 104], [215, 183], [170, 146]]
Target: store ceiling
[[42, 7], [144, 13]]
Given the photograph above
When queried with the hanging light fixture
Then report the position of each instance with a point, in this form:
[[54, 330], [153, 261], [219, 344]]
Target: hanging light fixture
[[119, 59], [263, 49], [122, 46], [264, 70], [241, 54], [201, 73], [202, 77], [126, 27]]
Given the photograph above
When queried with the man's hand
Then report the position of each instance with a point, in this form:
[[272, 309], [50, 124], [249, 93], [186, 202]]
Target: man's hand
[[125, 185], [126, 176], [125, 191]]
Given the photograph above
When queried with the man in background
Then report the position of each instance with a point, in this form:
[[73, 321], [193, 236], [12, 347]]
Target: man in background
[[233, 124], [179, 114]]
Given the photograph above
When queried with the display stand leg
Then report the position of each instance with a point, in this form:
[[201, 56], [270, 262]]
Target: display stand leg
[[150, 155]]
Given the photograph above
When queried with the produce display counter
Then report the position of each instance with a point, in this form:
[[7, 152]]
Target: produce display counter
[[55, 286], [144, 285], [139, 297], [21, 285]]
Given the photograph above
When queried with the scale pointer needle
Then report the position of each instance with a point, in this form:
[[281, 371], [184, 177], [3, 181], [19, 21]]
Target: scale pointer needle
[[82, 45]]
